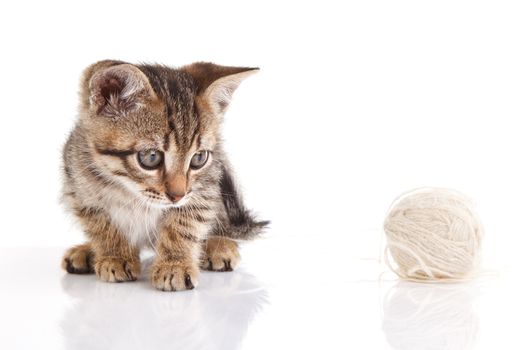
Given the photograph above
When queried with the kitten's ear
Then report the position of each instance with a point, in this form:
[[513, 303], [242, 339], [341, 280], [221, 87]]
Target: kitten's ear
[[118, 89], [217, 83]]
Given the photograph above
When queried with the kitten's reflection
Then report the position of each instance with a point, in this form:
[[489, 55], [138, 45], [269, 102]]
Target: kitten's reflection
[[135, 316], [428, 316]]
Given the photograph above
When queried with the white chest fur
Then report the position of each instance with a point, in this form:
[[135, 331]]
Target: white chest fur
[[139, 223]]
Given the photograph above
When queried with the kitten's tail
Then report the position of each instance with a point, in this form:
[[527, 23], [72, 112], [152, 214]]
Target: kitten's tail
[[242, 223]]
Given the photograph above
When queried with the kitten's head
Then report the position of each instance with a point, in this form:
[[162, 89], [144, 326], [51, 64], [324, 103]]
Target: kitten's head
[[154, 129]]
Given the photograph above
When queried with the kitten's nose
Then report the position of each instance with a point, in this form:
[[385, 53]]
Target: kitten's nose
[[174, 196], [175, 186]]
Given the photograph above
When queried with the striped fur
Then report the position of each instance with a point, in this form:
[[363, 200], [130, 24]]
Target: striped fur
[[124, 207]]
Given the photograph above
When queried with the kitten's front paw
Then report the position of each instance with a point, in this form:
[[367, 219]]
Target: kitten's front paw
[[174, 275], [79, 259], [115, 269], [220, 254]]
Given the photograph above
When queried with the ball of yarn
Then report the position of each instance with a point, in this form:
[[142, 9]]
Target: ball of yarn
[[433, 234]]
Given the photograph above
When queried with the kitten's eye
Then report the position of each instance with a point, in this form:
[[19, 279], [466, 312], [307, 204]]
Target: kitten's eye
[[150, 159], [199, 160]]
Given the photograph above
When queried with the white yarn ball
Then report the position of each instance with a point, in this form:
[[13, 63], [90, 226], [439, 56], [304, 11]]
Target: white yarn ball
[[433, 234]]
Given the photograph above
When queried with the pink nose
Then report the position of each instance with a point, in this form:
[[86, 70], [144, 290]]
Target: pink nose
[[173, 196]]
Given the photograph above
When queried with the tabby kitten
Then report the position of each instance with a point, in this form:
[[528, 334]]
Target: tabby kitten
[[144, 167]]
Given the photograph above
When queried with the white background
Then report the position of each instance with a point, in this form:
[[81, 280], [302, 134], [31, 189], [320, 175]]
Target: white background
[[355, 103]]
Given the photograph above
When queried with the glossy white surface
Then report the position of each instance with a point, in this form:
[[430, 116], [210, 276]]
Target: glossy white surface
[[356, 102], [320, 298]]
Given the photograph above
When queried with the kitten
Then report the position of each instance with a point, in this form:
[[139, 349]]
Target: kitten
[[144, 167]]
